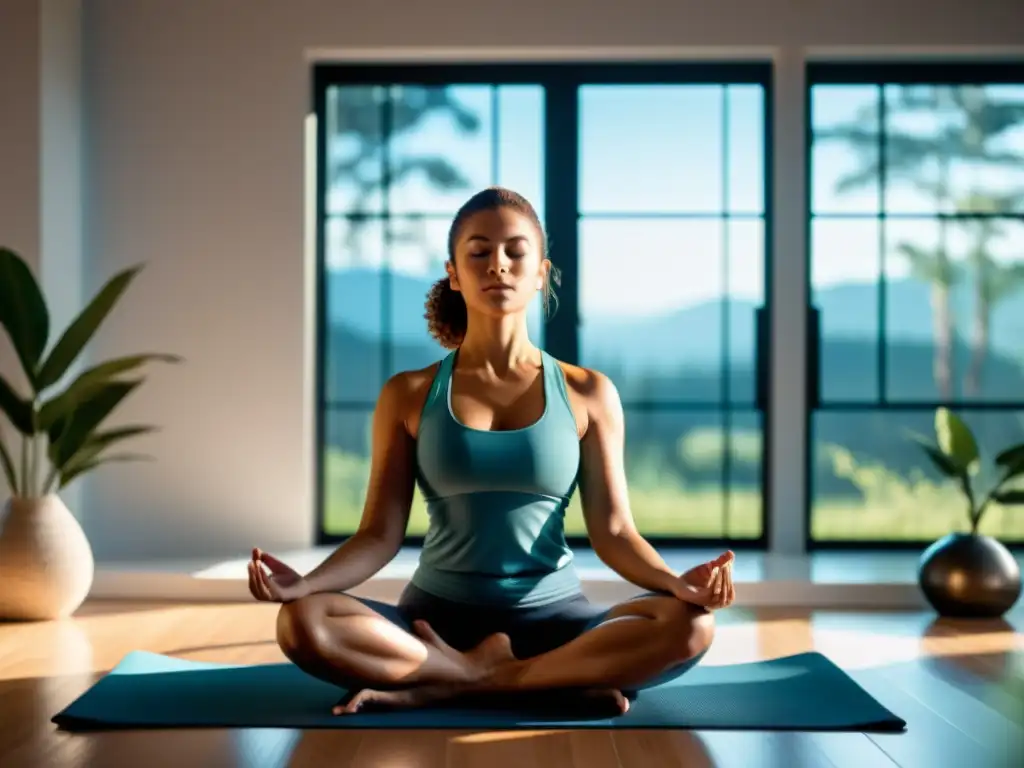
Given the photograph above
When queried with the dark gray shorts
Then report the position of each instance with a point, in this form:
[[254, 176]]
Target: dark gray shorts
[[532, 631]]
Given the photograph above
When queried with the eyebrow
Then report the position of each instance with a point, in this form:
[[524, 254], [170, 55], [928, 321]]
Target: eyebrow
[[484, 239]]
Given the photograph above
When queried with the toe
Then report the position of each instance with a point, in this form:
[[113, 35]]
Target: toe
[[621, 702], [609, 698], [361, 701]]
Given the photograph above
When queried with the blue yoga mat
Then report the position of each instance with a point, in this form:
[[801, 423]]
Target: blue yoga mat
[[149, 690]]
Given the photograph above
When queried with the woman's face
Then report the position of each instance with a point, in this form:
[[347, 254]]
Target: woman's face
[[499, 266]]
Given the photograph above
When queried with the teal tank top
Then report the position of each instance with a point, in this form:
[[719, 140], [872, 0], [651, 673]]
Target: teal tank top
[[496, 500]]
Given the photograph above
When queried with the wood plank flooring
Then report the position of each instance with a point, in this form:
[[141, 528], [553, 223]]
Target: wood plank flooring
[[959, 685]]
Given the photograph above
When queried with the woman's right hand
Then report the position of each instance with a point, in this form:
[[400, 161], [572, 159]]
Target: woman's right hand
[[282, 585]]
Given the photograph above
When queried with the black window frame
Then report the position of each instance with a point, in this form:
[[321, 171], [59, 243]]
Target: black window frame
[[879, 73], [561, 80]]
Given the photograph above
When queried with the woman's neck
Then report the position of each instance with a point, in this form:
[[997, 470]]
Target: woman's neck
[[498, 344]]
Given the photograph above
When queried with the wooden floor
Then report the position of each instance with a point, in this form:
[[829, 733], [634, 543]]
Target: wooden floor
[[960, 687]]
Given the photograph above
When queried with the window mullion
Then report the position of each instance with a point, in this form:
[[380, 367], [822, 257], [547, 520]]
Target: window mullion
[[561, 206]]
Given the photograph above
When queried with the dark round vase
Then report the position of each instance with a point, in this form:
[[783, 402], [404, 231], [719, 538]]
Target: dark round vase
[[969, 576]]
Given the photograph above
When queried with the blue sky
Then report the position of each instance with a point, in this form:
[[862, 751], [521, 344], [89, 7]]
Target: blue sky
[[660, 149]]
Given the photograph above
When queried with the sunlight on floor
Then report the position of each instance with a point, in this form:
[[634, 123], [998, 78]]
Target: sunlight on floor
[[100, 637], [734, 643], [494, 736], [872, 647]]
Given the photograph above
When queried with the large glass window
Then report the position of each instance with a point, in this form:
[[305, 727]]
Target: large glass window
[[651, 181], [917, 290]]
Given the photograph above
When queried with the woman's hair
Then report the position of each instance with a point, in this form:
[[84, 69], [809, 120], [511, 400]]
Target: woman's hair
[[446, 308]]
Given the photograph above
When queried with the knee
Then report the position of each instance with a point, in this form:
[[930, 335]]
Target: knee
[[300, 627], [693, 631], [702, 632]]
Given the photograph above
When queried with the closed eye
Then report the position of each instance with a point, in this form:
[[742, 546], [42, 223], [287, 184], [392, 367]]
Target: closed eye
[[514, 254], [515, 246]]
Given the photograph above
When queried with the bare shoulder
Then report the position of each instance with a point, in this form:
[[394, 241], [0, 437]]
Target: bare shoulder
[[594, 392], [404, 394], [405, 384]]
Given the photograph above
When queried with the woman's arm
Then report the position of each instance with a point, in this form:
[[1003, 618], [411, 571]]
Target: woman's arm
[[388, 497], [605, 498]]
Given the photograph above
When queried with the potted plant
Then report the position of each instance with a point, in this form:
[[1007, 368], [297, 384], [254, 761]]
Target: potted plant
[[971, 574], [46, 562]]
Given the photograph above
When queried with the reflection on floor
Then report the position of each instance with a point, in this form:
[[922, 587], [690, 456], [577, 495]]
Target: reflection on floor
[[959, 685]]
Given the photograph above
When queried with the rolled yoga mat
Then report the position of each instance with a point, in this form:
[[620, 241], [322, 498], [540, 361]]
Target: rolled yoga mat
[[148, 690]]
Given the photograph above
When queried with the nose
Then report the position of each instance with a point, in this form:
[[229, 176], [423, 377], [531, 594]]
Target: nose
[[499, 262]]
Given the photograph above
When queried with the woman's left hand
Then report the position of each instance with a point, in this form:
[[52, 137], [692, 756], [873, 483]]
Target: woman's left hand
[[709, 584]]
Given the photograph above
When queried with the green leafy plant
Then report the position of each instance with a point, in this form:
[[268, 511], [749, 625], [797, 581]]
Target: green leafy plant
[[62, 425], [955, 453]]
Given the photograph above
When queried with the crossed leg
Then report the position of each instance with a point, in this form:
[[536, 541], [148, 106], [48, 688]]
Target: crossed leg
[[345, 641]]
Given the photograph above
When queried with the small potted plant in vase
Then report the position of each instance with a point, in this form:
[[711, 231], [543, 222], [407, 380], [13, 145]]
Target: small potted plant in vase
[[971, 575], [46, 562]]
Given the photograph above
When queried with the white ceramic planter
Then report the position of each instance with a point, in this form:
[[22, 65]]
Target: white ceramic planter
[[46, 563]]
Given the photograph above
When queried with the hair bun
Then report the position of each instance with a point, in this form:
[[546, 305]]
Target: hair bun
[[446, 314]]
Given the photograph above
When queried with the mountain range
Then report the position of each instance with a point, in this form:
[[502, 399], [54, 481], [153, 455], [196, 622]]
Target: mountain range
[[692, 334], [677, 357]]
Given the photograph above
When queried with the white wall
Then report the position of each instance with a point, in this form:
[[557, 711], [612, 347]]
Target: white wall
[[19, 156], [40, 163], [194, 163]]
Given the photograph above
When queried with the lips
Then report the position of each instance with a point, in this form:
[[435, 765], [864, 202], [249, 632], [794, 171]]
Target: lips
[[499, 287]]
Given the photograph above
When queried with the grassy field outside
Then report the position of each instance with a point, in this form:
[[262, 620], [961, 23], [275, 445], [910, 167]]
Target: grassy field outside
[[891, 508]]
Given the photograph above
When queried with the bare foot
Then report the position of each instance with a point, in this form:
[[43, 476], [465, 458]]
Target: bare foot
[[478, 666], [493, 652], [609, 698], [598, 700], [479, 663], [490, 670], [407, 698]]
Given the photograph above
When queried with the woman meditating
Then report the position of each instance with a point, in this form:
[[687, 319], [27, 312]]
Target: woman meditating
[[498, 435]]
